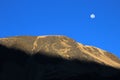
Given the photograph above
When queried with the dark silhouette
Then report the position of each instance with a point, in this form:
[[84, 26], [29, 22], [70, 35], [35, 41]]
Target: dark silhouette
[[18, 65]]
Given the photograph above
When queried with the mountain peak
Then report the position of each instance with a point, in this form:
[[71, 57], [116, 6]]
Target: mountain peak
[[54, 58], [61, 46]]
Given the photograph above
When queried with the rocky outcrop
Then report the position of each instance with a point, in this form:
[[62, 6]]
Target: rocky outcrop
[[54, 58]]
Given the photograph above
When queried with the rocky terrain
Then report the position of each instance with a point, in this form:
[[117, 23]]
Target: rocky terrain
[[54, 58]]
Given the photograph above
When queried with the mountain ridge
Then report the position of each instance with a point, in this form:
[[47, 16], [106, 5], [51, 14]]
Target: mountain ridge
[[64, 41], [61, 54]]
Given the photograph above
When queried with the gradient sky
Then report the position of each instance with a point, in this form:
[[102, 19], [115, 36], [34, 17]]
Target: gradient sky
[[64, 17]]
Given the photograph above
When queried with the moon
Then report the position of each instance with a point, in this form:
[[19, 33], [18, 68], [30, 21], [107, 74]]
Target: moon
[[92, 16]]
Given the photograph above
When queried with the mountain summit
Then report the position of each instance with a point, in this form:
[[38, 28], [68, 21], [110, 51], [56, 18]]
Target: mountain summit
[[54, 58]]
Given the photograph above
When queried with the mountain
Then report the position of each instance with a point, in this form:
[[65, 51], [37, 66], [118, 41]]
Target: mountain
[[54, 58]]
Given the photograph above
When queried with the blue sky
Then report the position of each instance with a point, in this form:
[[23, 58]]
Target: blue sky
[[64, 17]]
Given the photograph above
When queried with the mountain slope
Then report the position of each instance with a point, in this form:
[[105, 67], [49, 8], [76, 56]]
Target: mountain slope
[[78, 59]]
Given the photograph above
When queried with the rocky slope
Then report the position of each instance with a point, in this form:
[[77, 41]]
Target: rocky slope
[[54, 58]]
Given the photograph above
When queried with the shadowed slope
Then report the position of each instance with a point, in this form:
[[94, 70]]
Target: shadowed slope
[[17, 65]]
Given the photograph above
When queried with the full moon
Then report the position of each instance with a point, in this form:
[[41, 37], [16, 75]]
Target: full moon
[[92, 16]]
